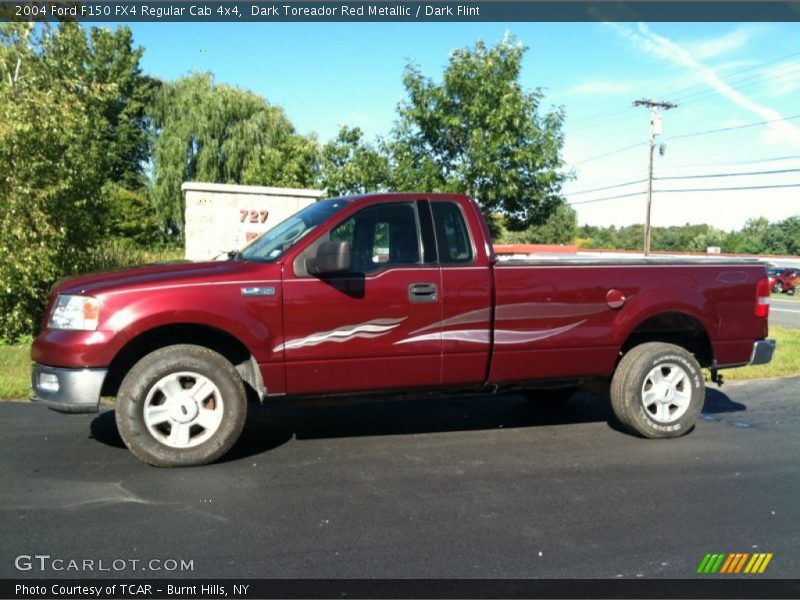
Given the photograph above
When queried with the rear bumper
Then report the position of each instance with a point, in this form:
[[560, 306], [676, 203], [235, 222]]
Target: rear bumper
[[762, 352], [67, 390]]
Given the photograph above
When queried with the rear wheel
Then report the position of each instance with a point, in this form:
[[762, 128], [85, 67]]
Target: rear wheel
[[182, 405], [658, 390]]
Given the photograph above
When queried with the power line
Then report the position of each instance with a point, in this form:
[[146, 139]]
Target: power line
[[684, 190], [620, 117], [735, 162], [727, 78], [780, 72], [680, 177], [733, 189], [688, 135], [612, 152], [721, 129], [710, 175], [607, 187], [788, 70], [607, 198], [608, 113], [681, 166]]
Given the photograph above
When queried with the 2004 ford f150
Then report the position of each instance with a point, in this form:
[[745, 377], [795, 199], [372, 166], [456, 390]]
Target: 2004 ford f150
[[387, 293]]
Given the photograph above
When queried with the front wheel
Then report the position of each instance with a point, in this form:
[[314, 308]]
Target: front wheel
[[778, 287], [180, 406], [658, 390]]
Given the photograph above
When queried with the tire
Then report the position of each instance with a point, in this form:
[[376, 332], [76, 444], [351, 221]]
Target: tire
[[164, 423], [658, 390], [778, 287], [790, 291]]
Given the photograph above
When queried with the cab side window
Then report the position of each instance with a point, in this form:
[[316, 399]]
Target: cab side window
[[452, 236], [381, 235]]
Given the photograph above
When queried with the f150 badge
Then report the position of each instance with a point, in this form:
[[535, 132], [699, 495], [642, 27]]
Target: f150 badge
[[258, 291]]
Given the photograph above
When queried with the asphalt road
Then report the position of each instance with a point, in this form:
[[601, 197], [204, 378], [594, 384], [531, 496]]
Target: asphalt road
[[785, 312], [486, 487]]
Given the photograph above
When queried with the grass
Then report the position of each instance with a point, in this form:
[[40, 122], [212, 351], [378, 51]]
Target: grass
[[786, 360], [15, 372], [15, 365]]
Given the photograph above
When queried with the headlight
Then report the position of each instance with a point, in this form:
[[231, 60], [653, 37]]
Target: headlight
[[75, 312]]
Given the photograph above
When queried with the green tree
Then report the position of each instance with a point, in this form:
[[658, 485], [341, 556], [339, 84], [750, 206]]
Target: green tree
[[71, 122], [705, 239], [604, 238], [561, 227], [479, 132], [216, 133], [630, 237], [750, 239], [130, 216], [783, 237], [101, 57], [350, 165], [51, 212]]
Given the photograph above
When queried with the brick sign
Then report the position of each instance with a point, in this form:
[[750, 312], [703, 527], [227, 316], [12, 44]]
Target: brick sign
[[222, 217]]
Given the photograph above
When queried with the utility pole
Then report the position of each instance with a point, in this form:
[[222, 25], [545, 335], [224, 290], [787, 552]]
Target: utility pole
[[655, 130]]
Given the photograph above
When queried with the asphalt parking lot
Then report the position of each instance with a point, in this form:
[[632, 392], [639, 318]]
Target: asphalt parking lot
[[481, 487]]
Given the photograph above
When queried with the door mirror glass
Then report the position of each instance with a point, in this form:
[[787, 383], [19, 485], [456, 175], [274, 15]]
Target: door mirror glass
[[332, 257]]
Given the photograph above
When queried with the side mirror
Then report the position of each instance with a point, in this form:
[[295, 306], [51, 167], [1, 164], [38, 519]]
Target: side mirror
[[332, 257]]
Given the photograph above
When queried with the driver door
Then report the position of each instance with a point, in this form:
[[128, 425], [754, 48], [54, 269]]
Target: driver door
[[351, 331]]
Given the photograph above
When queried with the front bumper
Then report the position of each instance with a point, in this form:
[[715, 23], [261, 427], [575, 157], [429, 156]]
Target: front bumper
[[762, 352], [67, 390]]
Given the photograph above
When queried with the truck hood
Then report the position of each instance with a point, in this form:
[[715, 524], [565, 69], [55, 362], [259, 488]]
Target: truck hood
[[155, 276]]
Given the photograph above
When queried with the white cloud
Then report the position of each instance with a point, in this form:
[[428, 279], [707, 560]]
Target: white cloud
[[724, 44], [676, 54]]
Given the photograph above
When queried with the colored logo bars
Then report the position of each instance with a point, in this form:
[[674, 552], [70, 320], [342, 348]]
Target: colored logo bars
[[733, 563]]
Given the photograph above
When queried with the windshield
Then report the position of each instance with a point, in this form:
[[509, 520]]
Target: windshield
[[273, 243]]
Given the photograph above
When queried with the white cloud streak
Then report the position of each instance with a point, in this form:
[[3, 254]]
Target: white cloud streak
[[724, 44], [674, 53]]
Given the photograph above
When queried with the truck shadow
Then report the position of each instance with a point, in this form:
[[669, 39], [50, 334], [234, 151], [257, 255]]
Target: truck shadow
[[272, 425]]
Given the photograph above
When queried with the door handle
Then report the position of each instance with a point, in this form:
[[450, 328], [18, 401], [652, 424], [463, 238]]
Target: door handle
[[422, 292]]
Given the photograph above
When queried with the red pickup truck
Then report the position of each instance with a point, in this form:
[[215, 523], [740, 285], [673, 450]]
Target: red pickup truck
[[389, 293]]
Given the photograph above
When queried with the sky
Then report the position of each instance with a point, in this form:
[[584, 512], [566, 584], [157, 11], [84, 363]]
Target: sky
[[721, 76]]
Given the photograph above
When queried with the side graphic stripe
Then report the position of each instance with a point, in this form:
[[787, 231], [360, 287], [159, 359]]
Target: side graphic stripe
[[473, 336], [467, 318], [502, 337], [510, 336], [368, 330]]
